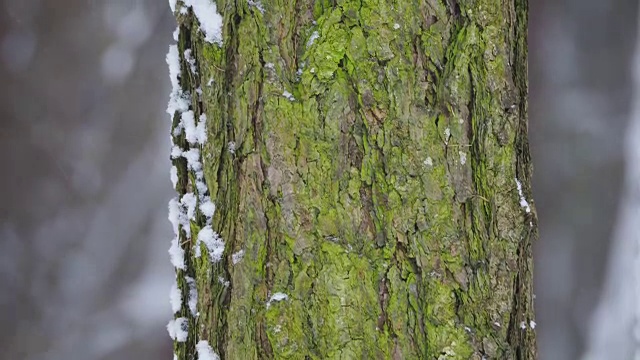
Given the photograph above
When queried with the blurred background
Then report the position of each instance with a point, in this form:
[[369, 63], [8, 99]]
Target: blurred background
[[84, 179], [84, 270]]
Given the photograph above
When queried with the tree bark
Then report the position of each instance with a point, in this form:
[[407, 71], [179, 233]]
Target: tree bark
[[370, 166]]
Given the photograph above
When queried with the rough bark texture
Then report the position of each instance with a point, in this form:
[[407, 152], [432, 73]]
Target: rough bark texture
[[380, 196]]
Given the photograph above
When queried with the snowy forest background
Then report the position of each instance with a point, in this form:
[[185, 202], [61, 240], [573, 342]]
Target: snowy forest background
[[84, 178]]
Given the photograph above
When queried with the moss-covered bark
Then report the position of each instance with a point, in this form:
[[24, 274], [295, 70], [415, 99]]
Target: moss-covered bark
[[364, 157]]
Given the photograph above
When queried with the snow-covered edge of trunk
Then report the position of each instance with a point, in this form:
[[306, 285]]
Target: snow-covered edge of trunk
[[193, 200]]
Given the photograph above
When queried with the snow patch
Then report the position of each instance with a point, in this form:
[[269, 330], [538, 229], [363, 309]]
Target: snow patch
[[208, 208], [176, 253], [232, 147], [205, 352], [191, 61], [200, 185], [176, 33], [463, 157], [189, 202], [212, 241], [257, 5], [210, 20], [180, 212], [174, 214], [193, 159], [189, 123], [236, 257], [195, 133], [428, 161], [312, 38], [523, 201], [222, 281], [174, 176], [277, 297], [178, 329], [176, 298], [288, 95], [176, 152], [193, 295], [178, 101]]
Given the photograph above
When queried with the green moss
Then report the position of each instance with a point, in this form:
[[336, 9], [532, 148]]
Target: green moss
[[354, 198]]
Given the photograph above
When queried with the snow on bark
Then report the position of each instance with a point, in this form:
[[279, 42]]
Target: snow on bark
[[205, 352], [176, 298], [193, 295], [210, 20], [192, 211], [178, 329]]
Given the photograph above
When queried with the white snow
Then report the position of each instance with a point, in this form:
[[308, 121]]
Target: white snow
[[178, 215], [189, 202], [312, 38], [174, 214], [193, 159], [257, 5], [208, 208], [176, 132], [532, 324], [396, 26], [174, 176], [191, 61], [172, 5], [210, 20], [195, 133], [201, 129], [173, 60], [193, 295], [178, 101], [288, 95], [200, 185], [523, 201], [277, 297], [236, 257], [176, 253], [447, 135], [205, 352], [176, 152], [428, 161], [210, 82], [222, 281], [189, 123], [463, 157], [178, 329], [176, 33], [176, 298], [213, 242]]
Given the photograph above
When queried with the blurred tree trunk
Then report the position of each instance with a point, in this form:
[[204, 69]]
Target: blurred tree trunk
[[365, 157]]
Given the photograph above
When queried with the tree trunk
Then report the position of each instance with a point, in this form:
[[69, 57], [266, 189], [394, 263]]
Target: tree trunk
[[370, 167]]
